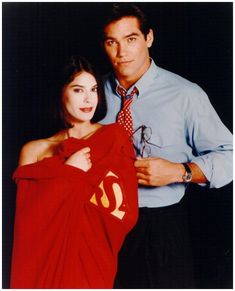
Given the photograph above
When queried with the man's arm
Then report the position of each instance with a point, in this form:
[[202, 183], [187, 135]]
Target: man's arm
[[161, 172]]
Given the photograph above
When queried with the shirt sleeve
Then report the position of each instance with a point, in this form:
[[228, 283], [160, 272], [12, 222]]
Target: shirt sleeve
[[211, 141]]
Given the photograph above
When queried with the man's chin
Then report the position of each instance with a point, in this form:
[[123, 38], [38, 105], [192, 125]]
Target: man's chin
[[127, 73]]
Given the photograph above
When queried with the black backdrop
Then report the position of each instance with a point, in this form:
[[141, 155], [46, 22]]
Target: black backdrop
[[192, 39]]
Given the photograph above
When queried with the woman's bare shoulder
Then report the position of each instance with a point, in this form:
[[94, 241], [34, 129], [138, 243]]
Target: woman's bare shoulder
[[30, 151], [36, 150]]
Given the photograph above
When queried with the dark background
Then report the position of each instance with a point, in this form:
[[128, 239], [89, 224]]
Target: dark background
[[192, 39]]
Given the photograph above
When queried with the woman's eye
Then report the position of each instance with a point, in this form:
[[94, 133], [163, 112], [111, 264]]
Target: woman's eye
[[77, 90], [95, 89]]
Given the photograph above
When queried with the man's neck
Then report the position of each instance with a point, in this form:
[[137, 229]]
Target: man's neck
[[126, 84]]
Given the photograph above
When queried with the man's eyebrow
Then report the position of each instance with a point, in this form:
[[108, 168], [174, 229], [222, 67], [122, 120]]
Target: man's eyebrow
[[132, 34], [108, 38], [126, 36]]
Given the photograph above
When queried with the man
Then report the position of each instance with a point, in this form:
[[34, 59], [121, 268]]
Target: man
[[179, 139]]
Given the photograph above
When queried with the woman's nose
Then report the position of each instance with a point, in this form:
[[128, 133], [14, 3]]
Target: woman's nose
[[87, 97]]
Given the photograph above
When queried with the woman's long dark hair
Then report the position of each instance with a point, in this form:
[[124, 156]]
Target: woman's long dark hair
[[75, 65]]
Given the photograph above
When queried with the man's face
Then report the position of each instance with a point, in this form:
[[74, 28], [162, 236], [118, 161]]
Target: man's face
[[127, 48]]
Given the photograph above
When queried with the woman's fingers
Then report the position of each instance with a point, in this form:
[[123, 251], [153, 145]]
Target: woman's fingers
[[85, 150], [81, 159]]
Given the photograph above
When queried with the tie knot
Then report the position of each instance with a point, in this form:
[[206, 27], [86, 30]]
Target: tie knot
[[123, 93]]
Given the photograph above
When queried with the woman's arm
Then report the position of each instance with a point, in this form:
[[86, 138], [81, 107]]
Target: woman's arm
[[29, 153], [32, 150]]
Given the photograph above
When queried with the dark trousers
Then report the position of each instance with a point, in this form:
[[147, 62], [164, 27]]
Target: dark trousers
[[157, 252]]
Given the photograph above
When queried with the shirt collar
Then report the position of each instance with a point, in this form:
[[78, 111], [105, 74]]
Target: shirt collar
[[147, 79]]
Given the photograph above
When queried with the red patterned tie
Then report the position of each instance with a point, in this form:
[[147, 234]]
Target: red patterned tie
[[124, 117]]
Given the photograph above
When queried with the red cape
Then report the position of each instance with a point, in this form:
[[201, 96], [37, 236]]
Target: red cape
[[70, 224]]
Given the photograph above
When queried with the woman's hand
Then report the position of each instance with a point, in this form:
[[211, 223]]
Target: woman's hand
[[80, 159]]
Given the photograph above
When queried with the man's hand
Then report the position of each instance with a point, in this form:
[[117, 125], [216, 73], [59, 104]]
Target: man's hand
[[158, 172]]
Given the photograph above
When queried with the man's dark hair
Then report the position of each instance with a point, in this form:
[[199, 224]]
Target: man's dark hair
[[120, 10]]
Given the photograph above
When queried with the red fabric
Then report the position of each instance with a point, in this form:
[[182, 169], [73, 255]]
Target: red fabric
[[68, 231], [124, 116]]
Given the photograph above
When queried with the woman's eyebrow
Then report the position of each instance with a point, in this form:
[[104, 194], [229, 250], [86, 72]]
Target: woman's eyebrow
[[76, 85]]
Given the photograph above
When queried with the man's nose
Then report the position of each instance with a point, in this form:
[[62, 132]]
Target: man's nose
[[122, 49]]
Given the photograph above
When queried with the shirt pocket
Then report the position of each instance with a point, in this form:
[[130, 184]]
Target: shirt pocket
[[163, 141], [172, 147]]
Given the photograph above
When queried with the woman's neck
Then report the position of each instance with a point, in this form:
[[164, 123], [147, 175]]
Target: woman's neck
[[83, 130]]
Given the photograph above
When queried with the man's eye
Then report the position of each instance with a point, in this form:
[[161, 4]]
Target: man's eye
[[131, 39], [110, 42]]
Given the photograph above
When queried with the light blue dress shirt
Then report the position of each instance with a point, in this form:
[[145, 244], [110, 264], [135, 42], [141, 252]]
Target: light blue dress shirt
[[184, 125]]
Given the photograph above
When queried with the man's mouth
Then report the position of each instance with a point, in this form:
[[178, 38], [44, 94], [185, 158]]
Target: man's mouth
[[124, 63]]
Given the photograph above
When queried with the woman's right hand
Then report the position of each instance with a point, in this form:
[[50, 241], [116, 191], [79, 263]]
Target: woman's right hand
[[80, 159]]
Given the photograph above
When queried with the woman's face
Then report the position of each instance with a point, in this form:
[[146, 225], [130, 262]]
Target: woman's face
[[80, 98]]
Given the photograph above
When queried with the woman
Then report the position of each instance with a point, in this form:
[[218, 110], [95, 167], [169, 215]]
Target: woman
[[77, 194]]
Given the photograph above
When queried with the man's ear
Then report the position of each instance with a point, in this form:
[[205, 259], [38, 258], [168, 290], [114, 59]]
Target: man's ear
[[149, 38]]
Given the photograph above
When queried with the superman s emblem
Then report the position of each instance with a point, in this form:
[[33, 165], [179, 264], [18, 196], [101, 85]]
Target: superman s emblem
[[109, 196]]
